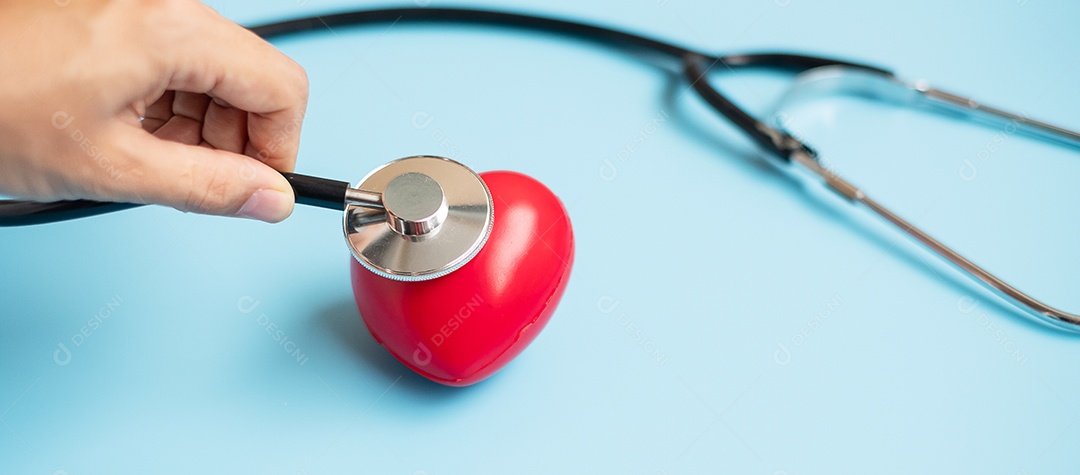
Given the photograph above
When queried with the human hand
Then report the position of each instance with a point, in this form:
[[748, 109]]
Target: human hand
[[146, 101]]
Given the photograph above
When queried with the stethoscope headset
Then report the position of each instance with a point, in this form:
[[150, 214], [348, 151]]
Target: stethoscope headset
[[412, 196]]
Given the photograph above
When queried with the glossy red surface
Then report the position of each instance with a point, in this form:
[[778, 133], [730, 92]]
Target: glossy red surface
[[463, 327]]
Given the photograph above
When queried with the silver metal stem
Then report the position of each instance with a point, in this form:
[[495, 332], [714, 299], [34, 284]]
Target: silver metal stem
[[367, 199]]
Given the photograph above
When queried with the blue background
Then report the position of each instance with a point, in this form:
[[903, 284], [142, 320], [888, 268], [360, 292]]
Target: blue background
[[783, 335]]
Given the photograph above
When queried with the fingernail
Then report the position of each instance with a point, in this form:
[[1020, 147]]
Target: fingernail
[[267, 205]]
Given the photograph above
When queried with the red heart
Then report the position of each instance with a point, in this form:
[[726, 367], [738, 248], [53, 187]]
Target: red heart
[[463, 327]]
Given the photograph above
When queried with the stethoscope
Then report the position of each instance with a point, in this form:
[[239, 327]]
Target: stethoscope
[[420, 218]]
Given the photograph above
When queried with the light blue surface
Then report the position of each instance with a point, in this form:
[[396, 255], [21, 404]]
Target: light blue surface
[[780, 336]]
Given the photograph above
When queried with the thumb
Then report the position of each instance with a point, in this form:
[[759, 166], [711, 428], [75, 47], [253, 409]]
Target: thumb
[[202, 180]]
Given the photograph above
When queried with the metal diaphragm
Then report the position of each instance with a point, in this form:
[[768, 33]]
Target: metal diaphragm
[[437, 214]]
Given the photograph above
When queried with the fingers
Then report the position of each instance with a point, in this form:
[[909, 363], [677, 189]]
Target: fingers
[[198, 179], [234, 98], [158, 113], [236, 95], [195, 119], [250, 75], [225, 128], [185, 122]]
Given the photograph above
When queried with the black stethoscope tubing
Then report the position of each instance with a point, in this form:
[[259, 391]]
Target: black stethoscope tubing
[[326, 193]]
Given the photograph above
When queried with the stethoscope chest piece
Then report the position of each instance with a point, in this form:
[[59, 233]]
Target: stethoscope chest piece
[[436, 215]]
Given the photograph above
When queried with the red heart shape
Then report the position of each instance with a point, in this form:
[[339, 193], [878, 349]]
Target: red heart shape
[[463, 327]]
